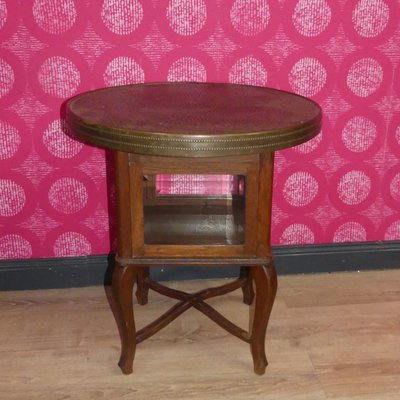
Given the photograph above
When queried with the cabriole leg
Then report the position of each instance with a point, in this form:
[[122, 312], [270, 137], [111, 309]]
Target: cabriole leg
[[122, 288], [142, 291], [265, 282], [247, 289]]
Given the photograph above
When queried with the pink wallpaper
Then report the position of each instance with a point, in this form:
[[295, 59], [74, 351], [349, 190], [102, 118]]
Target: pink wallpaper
[[342, 186]]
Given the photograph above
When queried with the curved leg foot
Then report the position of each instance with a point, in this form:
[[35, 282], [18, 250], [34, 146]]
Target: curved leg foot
[[142, 291], [122, 287], [265, 281], [247, 289]]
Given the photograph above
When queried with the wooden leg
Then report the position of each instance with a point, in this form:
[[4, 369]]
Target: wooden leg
[[142, 291], [122, 287], [247, 289], [265, 282]]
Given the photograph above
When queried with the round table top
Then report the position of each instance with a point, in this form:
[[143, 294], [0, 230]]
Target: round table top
[[193, 119]]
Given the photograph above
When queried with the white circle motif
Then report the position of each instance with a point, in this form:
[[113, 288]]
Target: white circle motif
[[300, 189], [3, 13], [55, 16], [57, 141], [10, 140], [370, 17], [122, 17], [364, 77], [187, 17], [187, 184], [250, 17], [311, 17], [71, 244], [359, 134], [350, 232], [395, 187], [59, 77], [354, 187], [297, 233], [123, 71], [308, 76], [248, 71], [393, 231], [397, 135], [309, 146], [14, 246], [7, 78], [68, 195], [187, 69], [12, 198]]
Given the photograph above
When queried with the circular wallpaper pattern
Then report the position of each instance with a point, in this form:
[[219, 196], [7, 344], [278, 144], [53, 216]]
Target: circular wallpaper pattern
[[342, 186]]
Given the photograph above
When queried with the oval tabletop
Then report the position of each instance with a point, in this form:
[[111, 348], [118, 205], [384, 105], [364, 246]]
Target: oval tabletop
[[193, 119]]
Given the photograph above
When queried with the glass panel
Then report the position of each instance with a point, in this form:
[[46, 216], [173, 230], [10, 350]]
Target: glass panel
[[194, 185], [194, 209]]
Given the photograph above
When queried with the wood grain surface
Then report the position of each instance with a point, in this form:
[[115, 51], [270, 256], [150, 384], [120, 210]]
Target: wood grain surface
[[193, 119], [331, 336]]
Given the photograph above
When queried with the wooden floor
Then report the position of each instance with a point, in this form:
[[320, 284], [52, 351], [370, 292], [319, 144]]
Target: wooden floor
[[331, 336]]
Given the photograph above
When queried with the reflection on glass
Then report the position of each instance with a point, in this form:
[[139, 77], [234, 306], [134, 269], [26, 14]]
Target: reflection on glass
[[194, 209]]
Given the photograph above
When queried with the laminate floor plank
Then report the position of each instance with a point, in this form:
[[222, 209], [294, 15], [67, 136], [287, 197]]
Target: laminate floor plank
[[331, 336]]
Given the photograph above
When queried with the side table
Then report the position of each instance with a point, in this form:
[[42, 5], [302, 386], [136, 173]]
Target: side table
[[209, 129]]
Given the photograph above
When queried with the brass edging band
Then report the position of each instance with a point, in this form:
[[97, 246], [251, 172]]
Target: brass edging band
[[134, 143], [154, 136]]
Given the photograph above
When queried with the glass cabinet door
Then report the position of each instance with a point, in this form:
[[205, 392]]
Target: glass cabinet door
[[194, 209]]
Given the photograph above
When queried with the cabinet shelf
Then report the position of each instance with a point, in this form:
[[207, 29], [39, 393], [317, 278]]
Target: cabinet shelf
[[194, 224]]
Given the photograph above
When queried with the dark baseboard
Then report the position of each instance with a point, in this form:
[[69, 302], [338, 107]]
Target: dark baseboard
[[96, 270]]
